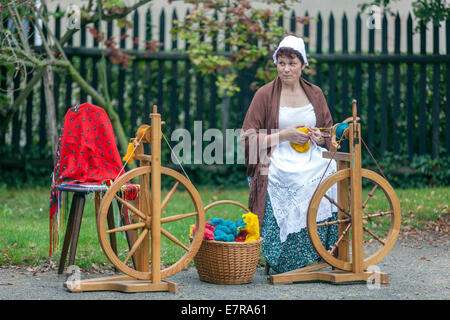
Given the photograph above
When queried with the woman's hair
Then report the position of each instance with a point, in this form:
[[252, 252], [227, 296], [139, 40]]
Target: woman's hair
[[290, 53]]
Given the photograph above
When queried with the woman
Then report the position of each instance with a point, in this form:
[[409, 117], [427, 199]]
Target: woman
[[282, 180]]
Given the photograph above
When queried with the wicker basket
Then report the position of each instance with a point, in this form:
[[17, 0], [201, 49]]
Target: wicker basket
[[227, 262]]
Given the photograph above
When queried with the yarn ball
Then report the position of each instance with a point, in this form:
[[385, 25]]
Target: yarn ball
[[340, 128], [209, 231], [220, 235], [130, 154], [240, 224], [241, 236], [225, 230], [252, 226], [301, 147]]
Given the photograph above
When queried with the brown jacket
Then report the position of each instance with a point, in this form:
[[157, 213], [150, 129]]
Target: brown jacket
[[262, 119]]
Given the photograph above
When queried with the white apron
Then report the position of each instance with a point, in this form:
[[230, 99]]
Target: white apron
[[294, 176]]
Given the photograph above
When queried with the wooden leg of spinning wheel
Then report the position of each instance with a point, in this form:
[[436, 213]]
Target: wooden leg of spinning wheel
[[339, 276], [302, 274], [156, 197], [333, 276], [112, 236], [356, 201], [343, 249], [120, 283]]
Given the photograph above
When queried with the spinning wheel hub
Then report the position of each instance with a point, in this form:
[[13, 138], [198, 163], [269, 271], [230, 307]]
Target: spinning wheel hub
[[148, 223]]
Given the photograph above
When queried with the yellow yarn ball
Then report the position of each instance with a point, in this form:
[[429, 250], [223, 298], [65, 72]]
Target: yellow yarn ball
[[130, 154], [301, 147]]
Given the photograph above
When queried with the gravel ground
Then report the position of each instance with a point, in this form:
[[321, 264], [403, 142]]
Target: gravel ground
[[418, 270]]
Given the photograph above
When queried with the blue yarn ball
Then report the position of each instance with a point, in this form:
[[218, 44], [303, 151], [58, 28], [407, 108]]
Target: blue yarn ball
[[340, 129]]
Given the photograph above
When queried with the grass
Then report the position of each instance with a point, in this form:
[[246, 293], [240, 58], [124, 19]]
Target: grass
[[24, 225], [418, 206]]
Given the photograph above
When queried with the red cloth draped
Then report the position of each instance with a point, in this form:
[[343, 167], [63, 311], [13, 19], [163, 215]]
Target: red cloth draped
[[87, 151]]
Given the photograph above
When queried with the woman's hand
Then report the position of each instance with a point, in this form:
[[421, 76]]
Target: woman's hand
[[316, 135], [293, 135]]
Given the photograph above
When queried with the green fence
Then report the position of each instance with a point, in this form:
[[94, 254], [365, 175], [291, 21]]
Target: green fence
[[403, 97]]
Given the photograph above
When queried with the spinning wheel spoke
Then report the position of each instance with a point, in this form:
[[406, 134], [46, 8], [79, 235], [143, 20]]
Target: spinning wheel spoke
[[336, 204], [379, 214], [343, 234], [136, 245], [331, 251], [329, 223], [173, 239], [168, 196], [131, 207], [374, 235], [178, 217], [127, 227], [370, 195]]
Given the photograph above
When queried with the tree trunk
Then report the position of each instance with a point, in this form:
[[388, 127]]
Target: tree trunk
[[51, 108], [225, 120]]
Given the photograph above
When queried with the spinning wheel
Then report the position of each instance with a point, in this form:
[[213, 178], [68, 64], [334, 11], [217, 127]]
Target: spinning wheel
[[141, 223], [386, 239], [375, 214], [141, 260]]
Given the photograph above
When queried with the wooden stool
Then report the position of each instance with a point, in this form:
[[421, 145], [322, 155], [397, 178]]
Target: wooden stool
[[75, 217]]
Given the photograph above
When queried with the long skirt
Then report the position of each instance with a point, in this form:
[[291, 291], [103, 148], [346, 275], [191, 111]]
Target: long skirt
[[297, 251]]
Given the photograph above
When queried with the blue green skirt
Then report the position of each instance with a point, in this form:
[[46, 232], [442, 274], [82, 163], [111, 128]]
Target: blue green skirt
[[297, 251]]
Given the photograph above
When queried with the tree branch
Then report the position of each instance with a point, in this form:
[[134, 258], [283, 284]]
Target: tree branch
[[103, 60], [19, 28]]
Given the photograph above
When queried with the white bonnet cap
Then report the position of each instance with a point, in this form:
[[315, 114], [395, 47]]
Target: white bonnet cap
[[294, 43]]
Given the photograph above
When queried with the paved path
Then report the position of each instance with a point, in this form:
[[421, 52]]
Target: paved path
[[418, 270]]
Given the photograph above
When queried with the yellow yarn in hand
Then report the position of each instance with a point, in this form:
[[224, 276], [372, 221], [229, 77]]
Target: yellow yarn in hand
[[301, 147]]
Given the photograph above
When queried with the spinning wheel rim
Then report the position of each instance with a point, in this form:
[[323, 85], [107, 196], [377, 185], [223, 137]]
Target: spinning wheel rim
[[391, 237], [102, 223]]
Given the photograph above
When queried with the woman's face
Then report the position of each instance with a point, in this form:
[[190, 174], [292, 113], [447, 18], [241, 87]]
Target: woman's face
[[289, 69]]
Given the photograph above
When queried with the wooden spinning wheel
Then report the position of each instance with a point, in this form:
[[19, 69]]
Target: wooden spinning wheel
[[344, 222], [142, 224], [141, 261], [376, 215]]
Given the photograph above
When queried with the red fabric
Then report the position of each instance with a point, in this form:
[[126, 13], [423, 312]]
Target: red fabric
[[131, 191], [87, 151]]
